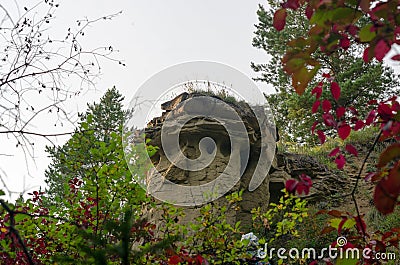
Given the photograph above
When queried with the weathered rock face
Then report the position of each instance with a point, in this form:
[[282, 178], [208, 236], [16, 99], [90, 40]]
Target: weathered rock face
[[325, 182], [284, 166]]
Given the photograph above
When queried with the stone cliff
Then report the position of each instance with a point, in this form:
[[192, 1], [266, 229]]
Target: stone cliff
[[284, 166]]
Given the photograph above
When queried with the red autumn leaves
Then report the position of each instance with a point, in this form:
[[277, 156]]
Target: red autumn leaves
[[328, 118], [342, 127], [303, 185], [340, 159], [333, 26], [383, 29], [344, 130], [378, 33], [335, 119], [280, 14], [387, 177], [385, 114], [280, 19], [335, 90], [183, 257], [388, 189]]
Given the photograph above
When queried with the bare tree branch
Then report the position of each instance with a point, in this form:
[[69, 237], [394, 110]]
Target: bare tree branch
[[39, 73]]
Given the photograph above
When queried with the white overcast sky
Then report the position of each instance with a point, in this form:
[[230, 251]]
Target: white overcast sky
[[150, 36]]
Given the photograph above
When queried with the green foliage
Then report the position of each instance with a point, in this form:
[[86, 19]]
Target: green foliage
[[213, 237], [281, 223], [362, 138], [311, 229], [384, 223], [281, 219], [272, 41], [359, 82], [94, 211], [213, 90], [94, 147], [91, 185]]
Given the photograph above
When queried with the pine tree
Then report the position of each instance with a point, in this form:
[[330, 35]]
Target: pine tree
[[95, 144], [89, 182]]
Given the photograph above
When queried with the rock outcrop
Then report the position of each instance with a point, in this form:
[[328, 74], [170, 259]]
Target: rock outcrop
[[284, 166]]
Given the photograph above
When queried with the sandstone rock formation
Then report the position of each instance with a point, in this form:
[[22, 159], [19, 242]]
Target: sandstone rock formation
[[284, 166]]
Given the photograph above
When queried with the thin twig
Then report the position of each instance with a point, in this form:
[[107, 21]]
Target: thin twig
[[353, 197], [37, 134]]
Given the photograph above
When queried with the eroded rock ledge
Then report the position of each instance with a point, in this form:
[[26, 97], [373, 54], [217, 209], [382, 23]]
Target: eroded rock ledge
[[284, 166]]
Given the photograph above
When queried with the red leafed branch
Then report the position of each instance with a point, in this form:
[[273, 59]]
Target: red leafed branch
[[333, 27]]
